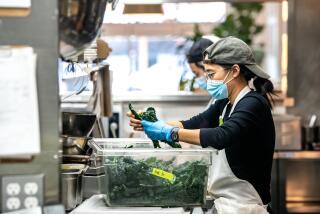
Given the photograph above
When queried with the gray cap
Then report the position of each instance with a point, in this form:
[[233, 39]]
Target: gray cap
[[231, 50]]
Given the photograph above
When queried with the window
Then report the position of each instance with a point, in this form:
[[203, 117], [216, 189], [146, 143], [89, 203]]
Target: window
[[148, 63]]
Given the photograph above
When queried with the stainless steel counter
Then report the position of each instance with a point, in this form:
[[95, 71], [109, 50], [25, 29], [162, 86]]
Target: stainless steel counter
[[294, 182], [297, 155]]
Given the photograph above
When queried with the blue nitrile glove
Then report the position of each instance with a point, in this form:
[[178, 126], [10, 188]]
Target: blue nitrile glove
[[157, 130]]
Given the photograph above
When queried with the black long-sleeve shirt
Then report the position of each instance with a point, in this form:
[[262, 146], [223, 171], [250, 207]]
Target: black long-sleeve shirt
[[248, 137]]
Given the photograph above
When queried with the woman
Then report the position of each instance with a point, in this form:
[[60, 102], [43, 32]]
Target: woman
[[239, 126], [195, 60]]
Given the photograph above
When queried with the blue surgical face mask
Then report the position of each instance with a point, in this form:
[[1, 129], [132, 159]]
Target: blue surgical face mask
[[201, 82], [218, 88]]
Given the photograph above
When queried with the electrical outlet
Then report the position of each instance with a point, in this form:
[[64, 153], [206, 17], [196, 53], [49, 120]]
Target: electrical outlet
[[30, 202], [31, 188], [21, 191], [13, 203], [13, 189]]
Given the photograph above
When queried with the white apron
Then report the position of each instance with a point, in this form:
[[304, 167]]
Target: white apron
[[232, 195]]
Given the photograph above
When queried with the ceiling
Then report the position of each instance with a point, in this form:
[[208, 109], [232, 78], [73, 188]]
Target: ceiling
[[189, 1]]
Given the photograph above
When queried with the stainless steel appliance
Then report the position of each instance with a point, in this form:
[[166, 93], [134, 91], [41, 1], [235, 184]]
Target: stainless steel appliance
[[288, 132], [76, 129], [295, 182], [40, 31], [79, 23]]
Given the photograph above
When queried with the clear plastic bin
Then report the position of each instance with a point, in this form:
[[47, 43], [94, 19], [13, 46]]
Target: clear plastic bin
[[118, 143], [155, 177]]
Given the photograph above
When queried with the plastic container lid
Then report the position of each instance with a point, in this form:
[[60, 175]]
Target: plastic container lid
[[110, 143]]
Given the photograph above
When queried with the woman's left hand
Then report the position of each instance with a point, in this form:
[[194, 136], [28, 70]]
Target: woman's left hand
[[135, 123]]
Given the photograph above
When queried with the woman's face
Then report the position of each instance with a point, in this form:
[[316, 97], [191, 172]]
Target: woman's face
[[196, 70], [215, 72]]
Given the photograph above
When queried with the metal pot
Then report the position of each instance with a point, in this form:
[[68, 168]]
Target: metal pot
[[72, 193], [74, 145], [79, 24], [82, 159], [77, 124]]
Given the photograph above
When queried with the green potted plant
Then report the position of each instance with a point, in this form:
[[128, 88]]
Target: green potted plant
[[241, 22], [197, 34]]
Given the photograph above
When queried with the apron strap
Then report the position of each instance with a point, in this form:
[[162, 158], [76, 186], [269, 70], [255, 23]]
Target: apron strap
[[242, 93]]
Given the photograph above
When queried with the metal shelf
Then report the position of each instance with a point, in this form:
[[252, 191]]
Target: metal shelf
[[40, 31], [303, 207]]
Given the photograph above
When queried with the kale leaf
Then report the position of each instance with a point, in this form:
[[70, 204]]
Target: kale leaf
[[150, 115]]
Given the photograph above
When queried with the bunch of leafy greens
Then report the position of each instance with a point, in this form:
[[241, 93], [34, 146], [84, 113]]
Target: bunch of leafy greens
[[150, 115], [131, 182]]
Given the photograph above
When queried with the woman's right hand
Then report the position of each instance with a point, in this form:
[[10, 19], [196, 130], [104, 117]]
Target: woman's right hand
[[136, 124]]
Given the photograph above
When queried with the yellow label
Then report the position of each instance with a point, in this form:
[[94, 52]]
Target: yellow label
[[163, 174], [220, 121]]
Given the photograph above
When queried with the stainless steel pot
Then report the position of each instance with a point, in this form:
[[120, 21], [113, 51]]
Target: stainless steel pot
[[77, 124], [72, 193], [74, 145], [81, 159]]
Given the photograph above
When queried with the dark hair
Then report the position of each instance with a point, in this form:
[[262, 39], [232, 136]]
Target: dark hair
[[195, 53], [199, 65], [263, 86]]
